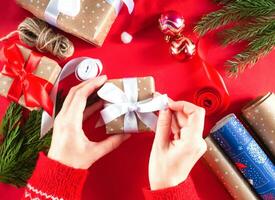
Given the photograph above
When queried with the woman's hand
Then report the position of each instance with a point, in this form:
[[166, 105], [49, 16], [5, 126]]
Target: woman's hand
[[69, 144], [171, 160]]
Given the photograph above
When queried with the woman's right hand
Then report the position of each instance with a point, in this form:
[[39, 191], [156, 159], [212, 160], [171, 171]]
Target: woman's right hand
[[69, 145], [171, 160]]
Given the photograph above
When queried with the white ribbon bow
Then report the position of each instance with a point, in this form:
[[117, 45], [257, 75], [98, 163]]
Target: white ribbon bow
[[126, 103], [72, 8]]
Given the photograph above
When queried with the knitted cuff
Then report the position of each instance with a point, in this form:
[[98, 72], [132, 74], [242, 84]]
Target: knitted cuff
[[185, 190], [56, 180]]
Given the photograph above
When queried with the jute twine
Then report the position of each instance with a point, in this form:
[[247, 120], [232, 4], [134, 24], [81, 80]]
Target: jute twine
[[37, 33]]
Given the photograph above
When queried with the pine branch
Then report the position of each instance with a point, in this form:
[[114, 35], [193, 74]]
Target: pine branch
[[255, 50], [248, 31], [233, 12], [19, 151], [12, 118], [252, 21], [223, 1], [10, 147]]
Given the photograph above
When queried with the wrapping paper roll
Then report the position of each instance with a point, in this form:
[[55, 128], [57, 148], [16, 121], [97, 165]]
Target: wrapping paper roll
[[247, 155], [260, 115], [228, 174]]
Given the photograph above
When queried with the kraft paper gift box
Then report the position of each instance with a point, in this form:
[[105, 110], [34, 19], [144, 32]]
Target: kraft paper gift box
[[47, 69], [92, 23], [145, 89]]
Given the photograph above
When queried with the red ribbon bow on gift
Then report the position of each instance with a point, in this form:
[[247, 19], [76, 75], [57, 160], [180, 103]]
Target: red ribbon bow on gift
[[35, 89]]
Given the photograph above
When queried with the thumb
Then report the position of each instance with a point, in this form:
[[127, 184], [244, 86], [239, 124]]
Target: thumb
[[162, 136], [111, 143]]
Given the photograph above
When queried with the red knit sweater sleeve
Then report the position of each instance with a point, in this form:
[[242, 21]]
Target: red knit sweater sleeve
[[53, 180], [183, 191]]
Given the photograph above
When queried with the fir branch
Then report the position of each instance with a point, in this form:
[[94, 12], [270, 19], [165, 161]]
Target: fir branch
[[19, 150], [256, 49], [11, 145], [223, 1], [249, 31], [12, 118], [233, 12], [252, 21]]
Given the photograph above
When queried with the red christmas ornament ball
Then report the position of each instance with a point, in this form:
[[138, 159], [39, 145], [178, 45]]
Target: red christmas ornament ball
[[182, 48], [171, 24]]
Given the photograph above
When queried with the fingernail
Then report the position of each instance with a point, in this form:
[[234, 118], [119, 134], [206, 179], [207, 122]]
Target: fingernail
[[103, 77]]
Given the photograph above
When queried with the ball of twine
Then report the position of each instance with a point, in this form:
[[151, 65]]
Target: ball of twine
[[37, 33]]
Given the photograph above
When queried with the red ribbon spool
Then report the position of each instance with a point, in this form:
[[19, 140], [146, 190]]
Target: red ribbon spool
[[210, 99], [212, 93]]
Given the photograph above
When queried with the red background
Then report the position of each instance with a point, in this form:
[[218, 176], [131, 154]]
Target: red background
[[122, 174]]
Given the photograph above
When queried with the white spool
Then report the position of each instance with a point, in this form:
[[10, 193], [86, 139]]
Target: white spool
[[88, 68]]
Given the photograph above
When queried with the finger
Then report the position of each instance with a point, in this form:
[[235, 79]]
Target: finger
[[78, 103], [156, 94], [182, 119], [162, 137], [186, 132], [111, 143], [189, 115], [198, 118], [195, 124], [92, 109], [186, 107], [175, 127], [71, 94], [177, 107]]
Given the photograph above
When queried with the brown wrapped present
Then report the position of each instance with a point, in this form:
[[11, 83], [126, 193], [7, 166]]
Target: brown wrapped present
[[130, 105], [91, 22], [44, 72]]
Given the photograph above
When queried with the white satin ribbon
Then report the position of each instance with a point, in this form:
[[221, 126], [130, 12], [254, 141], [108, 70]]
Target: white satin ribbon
[[126, 103], [73, 7], [68, 69], [130, 4], [55, 7]]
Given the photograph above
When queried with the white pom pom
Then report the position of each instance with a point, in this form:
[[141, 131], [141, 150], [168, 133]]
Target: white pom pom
[[126, 38]]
